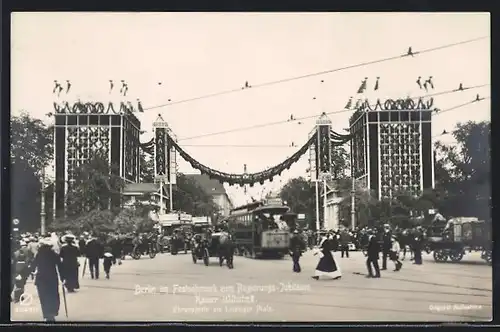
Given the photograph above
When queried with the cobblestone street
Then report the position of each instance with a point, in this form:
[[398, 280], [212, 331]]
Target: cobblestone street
[[267, 290]]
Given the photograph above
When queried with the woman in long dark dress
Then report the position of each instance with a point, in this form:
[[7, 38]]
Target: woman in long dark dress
[[69, 257], [327, 268], [48, 266]]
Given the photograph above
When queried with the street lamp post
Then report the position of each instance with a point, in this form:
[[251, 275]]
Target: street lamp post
[[42, 204]]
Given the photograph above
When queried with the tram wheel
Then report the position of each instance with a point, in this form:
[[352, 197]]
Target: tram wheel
[[136, 254], [206, 256], [440, 256], [487, 256], [456, 256]]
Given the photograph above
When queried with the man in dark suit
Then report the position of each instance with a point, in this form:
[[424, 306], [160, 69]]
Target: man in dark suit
[[297, 246], [386, 245], [372, 253], [94, 250], [417, 246], [345, 239]]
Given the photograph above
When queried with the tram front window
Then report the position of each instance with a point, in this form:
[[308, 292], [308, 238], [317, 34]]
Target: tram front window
[[270, 219]]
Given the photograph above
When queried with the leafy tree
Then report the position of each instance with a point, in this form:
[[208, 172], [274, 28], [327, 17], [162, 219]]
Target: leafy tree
[[300, 197], [367, 207], [135, 218], [146, 168], [31, 150], [31, 143], [463, 171], [94, 188], [340, 162], [191, 198], [95, 221]]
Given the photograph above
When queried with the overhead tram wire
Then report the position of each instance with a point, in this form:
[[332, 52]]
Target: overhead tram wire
[[269, 124], [285, 80], [288, 146], [247, 128]]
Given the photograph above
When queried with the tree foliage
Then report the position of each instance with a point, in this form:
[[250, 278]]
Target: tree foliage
[[340, 162], [94, 188], [134, 219], [146, 172], [31, 143], [367, 207], [300, 197], [191, 198], [30, 151], [95, 221], [463, 171]]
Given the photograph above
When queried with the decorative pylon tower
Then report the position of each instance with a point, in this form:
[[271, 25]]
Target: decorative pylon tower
[[165, 170], [320, 160], [83, 129]]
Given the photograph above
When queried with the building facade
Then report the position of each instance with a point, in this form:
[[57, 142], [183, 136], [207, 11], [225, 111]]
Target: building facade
[[81, 131], [332, 211], [145, 193], [392, 151], [216, 190]]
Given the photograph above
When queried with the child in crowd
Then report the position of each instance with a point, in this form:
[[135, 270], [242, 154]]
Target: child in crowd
[[394, 254], [108, 260]]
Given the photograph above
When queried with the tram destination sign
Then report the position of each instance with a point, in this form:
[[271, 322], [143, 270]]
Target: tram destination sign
[[274, 201]]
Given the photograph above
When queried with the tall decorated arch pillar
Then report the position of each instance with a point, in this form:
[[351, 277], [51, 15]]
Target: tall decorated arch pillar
[[164, 159], [323, 161]]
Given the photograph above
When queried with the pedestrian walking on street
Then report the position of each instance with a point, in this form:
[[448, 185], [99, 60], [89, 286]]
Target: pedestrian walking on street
[[395, 254], [48, 273], [81, 245], [33, 245], [417, 247], [406, 243], [115, 247], [56, 244], [69, 260], [386, 245], [345, 239], [297, 246], [93, 250], [372, 253], [23, 259], [108, 260], [327, 267]]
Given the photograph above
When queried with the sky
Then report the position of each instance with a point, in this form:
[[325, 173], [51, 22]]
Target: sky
[[195, 54]]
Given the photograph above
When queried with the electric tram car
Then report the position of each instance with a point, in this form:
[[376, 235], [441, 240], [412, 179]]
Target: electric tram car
[[256, 229]]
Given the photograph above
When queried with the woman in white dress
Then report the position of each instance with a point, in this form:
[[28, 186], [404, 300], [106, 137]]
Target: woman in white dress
[[327, 268]]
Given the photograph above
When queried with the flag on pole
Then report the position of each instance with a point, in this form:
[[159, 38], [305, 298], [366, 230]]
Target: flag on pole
[[362, 87]]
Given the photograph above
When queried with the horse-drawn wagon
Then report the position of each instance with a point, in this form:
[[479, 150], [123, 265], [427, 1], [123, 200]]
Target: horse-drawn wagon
[[136, 247], [212, 245], [458, 235]]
